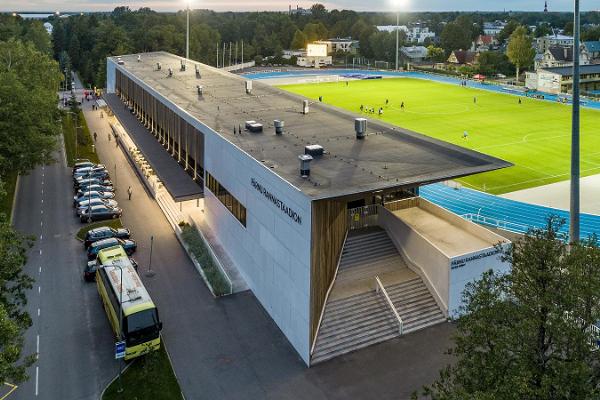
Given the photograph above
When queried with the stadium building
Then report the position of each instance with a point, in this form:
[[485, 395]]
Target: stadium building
[[316, 210]]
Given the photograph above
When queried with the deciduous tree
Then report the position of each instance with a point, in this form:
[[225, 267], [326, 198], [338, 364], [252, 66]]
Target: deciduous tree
[[520, 50]]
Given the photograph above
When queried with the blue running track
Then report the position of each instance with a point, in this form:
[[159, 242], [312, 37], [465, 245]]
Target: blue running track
[[497, 211]]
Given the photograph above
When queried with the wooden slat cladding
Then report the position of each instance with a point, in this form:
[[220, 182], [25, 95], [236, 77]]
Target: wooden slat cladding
[[184, 142], [328, 231]]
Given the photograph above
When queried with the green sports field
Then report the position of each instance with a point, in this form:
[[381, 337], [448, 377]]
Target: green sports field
[[534, 135]]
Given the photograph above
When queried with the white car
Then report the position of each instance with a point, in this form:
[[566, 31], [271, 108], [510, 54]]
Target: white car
[[82, 205]]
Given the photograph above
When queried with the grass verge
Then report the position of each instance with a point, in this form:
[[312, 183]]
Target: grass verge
[[150, 377], [6, 199], [200, 251], [84, 148], [113, 223]]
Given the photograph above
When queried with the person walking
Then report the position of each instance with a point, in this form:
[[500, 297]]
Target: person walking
[[402, 106], [95, 136], [109, 136], [129, 192]]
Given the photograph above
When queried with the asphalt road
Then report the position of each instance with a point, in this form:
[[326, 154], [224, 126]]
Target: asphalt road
[[71, 338]]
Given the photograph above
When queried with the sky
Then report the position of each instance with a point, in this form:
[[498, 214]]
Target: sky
[[282, 5]]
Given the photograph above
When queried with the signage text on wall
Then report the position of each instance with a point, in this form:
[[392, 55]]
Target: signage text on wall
[[278, 203], [461, 262]]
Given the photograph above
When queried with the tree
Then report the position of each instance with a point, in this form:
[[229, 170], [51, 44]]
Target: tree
[[299, 41], [315, 31], [14, 321], [525, 334], [520, 50], [494, 62], [38, 36], [455, 37], [436, 53], [318, 11], [508, 30]]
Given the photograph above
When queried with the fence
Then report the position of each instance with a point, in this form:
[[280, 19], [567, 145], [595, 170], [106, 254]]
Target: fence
[[362, 217], [402, 204], [506, 225]]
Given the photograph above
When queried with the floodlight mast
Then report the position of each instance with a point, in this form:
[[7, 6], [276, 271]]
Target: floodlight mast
[[574, 227], [398, 4], [187, 32]]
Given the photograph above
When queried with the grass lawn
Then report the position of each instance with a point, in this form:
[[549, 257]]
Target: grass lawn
[[534, 135], [113, 223], [150, 377], [6, 199], [85, 141]]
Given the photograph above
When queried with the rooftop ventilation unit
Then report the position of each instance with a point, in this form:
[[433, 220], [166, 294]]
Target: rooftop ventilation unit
[[304, 107], [248, 87], [200, 90], [314, 150], [198, 72], [278, 124], [139, 59], [248, 123], [255, 127], [158, 66], [305, 160], [170, 72], [360, 126], [182, 68], [120, 61]]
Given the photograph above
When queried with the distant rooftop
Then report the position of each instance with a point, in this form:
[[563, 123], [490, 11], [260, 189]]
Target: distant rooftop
[[568, 71], [389, 157]]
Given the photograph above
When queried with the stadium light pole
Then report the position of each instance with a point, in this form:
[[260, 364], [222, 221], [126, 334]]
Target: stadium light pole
[[187, 32], [575, 151], [398, 4]]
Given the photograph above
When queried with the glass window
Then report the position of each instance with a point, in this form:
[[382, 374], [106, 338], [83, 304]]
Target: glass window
[[229, 201]]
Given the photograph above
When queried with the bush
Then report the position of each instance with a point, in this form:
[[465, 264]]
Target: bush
[[200, 251]]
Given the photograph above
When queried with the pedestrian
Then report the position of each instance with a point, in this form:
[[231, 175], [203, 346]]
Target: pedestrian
[[402, 106], [109, 136], [101, 114], [129, 192], [95, 136], [465, 135]]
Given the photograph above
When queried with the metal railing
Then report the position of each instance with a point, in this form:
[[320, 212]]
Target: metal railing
[[381, 290], [595, 339], [403, 204], [497, 223], [337, 268], [362, 217]]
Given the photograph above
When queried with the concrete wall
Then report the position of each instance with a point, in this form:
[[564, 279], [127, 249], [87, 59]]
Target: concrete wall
[[110, 76], [422, 256], [272, 252]]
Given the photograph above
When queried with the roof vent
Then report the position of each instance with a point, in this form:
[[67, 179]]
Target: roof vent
[[182, 68], [200, 90], [139, 58], [304, 107], [278, 126], [305, 160], [360, 126], [248, 87], [170, 72], [198, 71], [158, 66], [255, 127], [248, 123], [314, 150]]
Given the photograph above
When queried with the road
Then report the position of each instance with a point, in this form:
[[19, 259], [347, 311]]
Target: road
[[226, 348], [73, 341]]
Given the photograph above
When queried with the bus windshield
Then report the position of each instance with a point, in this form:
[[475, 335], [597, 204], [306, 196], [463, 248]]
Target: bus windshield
[[141, 326]]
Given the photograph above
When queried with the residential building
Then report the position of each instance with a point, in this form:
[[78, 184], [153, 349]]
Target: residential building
[[316, 56], [485, 43], [493, 28], [413, 54], [545, 42], [560, 80], [593, 49], [299, 11], [463, 57], [416, 33], [557, 56], [312, 207], [346, 45]]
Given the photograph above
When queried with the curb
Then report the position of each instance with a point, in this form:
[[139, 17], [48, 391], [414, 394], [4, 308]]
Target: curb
[[15, 198], [115, 378]]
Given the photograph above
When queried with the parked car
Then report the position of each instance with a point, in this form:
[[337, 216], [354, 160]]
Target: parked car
[[104, 232], [94, 188], [87, 170], [89, 272], [128, 245], [82, 163], [91, 181], [99, 213], [92, 195], [85, 204], [100, 174]]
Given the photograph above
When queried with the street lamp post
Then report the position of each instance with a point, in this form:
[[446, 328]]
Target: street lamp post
[[575, 163], [120, 390], [397, 36], [150, 273], [187, 34]]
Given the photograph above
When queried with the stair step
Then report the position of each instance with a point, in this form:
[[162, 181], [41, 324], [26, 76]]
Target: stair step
[[383, 321], [423, 325], [350, 322], [319, 357], [360, 336], [362, 307]]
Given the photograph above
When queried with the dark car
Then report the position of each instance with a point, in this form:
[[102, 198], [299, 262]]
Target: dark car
[[94, 188], [104, 232], [99, 174], [92, 195], [128, 245], [100, 213], [91, 181], [89, 272]]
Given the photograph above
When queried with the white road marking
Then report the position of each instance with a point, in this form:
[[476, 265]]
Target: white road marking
[[37, 375], [41, 223], [42, 201], [41, 211], [39, 289], [38, 316], [37, 345], [42, 191], [40, 270], [41, 237], [40, 252]]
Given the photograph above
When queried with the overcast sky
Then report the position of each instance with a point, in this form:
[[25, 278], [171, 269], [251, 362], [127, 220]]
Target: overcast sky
[[281, 5]]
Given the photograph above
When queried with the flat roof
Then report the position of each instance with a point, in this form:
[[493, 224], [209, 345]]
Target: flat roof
[[178, 183], [568, 71], [389, 157]]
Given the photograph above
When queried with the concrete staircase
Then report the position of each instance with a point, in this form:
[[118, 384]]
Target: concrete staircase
[[170, 209], [360, 320]]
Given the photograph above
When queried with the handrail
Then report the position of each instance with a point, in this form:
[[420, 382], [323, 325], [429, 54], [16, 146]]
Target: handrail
[[506, 225], [380, 289], [312, 348]]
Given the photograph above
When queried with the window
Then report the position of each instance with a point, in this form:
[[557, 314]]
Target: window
[[231, 203]]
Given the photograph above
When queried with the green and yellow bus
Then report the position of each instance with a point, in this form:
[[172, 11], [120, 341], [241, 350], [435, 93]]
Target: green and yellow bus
[[138, 325]]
